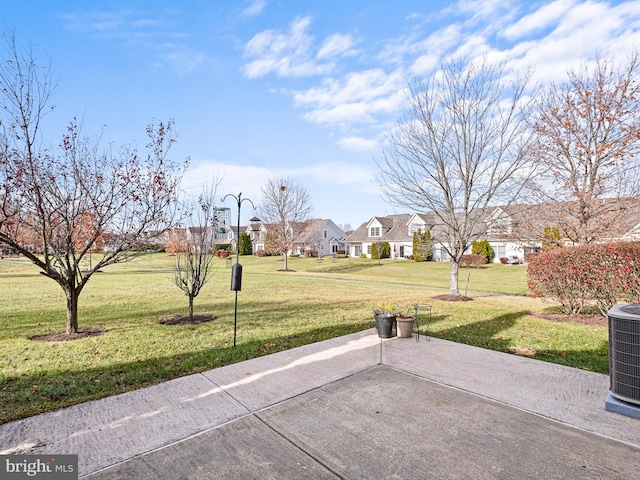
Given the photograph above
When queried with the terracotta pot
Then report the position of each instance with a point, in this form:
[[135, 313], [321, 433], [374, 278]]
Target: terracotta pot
[[405, 326]]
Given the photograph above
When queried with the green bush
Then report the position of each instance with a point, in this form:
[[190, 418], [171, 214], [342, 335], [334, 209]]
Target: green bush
[[386, 250], [422, 246], [246, 247], [482, 247], [551, 239]]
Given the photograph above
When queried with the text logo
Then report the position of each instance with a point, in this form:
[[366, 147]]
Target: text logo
[[49, 467]]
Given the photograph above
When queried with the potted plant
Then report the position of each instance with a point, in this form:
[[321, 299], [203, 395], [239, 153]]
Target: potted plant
[[405, 323], [384, 314]]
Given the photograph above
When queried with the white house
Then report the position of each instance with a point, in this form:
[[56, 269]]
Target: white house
[[319, 237], [391, 228], [512, 231], [398, 231]]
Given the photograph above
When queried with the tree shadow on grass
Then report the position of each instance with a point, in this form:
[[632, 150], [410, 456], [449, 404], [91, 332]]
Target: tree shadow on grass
[[485, 333], [593, 359], [31, 394]]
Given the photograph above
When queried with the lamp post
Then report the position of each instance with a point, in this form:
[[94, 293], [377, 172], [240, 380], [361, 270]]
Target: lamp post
[[236, 270]]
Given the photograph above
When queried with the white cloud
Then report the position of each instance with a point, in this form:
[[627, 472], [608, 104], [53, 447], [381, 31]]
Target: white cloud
[[255, 8], [287, 54], [571, 40], [359, 144], [550, 36], [539, 20], [234, 178], [336, 45], [248, 179], [478, 11], [333, 173], [357, 98]]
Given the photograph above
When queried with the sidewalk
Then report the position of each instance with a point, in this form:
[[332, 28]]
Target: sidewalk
[[350, 407]]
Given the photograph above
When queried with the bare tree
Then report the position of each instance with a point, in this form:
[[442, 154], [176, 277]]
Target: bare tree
[[588, 130], [460, 147], [194, 265], [285, 205], [59, 203]]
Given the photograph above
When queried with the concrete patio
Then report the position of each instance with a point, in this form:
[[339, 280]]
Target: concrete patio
[[351, 407]]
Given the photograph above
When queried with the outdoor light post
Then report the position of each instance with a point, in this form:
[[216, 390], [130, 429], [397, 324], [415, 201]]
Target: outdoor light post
[[236, 270]]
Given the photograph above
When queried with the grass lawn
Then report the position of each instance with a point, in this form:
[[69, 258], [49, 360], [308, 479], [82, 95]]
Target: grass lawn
[[276, 311]]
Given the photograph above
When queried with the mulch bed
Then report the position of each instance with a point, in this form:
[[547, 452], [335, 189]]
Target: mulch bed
[[453, 298], [185, 320], [63, 337]]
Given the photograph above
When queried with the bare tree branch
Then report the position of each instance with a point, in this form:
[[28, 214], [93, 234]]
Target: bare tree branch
[[285, 206], [459, 149], [59, 204], [588, 130]]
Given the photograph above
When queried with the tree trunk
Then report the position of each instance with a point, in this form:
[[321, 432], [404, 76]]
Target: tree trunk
[[453, 278], [286, 261], [72, 310], [190, 308]]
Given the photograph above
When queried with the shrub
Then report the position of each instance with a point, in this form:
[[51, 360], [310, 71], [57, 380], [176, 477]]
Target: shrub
[[374, 251], [504, 260], [261, 253], [245, 243], [422, 246], [551, 239], [482, 247], [380, 250], [472, 259], [386, 250], [555, 274], [597, 274]]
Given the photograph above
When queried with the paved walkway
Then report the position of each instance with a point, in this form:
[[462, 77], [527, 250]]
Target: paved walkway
[[352, 407]]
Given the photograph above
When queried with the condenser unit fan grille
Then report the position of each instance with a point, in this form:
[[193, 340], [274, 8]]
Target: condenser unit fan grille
[[624, 352]]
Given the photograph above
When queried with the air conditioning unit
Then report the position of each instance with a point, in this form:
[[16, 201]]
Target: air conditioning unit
[[624, 352]]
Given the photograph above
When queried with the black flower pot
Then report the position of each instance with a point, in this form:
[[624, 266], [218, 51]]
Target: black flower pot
[[384, 324]]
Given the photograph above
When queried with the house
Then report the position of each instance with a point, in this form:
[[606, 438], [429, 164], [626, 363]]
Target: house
[[319, 237], [391, 228], [316, 237], [512, 231]]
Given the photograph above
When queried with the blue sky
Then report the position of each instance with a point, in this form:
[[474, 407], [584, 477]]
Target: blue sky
[[307, 90]]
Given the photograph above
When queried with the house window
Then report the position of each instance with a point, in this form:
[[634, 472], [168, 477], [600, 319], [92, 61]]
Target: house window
[[415, 227], [334, 248], [444, 256], [324, 234], [500, 251], [375, 232], [357, 250], [368, 249]]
